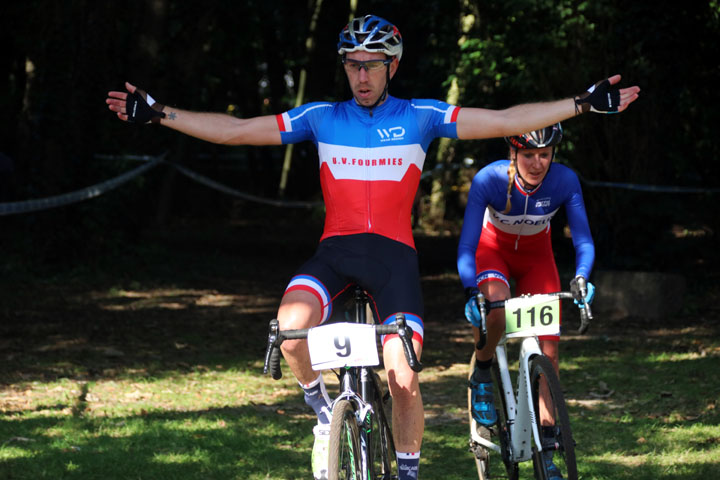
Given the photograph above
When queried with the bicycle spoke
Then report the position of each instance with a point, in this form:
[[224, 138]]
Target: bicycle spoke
[[549, 401]]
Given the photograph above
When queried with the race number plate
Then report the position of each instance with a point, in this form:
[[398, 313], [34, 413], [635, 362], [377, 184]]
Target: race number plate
[[532, 316], [342, 344]]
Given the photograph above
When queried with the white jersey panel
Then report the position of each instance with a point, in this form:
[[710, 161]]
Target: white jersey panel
[[518, 224], [370, 164]]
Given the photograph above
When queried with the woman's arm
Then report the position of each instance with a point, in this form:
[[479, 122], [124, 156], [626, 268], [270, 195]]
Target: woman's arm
[[580, 230]]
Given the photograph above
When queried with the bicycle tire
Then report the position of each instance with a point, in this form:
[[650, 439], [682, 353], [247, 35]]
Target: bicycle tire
[[382, 448], [480, 453], [344, 446], [564, 454]]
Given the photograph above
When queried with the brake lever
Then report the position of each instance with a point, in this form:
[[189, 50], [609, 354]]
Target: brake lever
[[272, 355], [405, 332]]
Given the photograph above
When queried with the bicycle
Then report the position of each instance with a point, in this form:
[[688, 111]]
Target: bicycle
[[517, 434], [361, 443]]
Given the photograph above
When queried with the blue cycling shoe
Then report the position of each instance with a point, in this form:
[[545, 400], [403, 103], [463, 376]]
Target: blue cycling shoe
[[483, 406], [552, 470]]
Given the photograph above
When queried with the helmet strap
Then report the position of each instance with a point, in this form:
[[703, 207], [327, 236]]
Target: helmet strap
[[526, 185]]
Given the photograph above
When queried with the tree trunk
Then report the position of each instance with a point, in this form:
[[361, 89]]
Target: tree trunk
[[310, 46], [441, 183]]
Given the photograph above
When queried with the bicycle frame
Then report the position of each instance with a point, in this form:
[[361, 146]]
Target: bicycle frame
[[522, 418], [521, 435]]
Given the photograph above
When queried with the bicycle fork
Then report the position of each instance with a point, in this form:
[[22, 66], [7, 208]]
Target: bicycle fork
[[521, 420], [349, 383]]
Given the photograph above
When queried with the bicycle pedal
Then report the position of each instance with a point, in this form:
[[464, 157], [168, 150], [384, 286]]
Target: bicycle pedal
[[478, 451]]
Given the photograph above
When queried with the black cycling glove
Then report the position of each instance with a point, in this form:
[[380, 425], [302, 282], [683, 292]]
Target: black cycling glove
[[142, 108], [600, 98]]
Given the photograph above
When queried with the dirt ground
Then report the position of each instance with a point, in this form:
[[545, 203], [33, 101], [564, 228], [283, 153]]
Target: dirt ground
[[204, 292]]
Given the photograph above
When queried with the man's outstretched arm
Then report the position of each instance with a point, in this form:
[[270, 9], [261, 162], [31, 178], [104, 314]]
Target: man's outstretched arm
[[603, 97], [136, 105]]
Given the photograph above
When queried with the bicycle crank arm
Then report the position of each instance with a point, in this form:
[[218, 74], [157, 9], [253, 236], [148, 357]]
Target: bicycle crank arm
[[475, 437]]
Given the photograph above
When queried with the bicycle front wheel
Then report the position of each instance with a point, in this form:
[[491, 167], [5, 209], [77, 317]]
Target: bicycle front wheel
[[344, 448], [550, 408]]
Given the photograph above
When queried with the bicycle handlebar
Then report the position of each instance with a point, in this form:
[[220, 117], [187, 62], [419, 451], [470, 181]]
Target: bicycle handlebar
[[276, 337], [485, 306]]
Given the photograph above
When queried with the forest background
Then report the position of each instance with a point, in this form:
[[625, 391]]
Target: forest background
[[649, 175], [134, 299]]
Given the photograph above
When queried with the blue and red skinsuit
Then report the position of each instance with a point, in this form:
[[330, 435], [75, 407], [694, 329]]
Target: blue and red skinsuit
[[495, 246]]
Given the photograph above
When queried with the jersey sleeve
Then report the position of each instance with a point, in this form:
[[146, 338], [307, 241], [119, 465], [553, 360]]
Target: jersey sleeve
[[580, 229], [436, 119], [300, 124], [478, 201]]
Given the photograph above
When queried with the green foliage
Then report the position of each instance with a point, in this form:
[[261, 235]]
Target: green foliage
[[60, 59], [532, 50]]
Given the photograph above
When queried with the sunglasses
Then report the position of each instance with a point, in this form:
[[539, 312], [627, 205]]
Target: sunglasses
[[368, 65]]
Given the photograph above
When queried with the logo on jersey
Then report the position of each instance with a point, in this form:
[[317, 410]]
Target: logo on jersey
[[542, 202], [389, 162], [368, 162], [522, 224], [389, 134]]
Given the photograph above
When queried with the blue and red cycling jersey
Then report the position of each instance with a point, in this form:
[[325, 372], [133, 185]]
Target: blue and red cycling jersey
[[522, 235], [370, 164]]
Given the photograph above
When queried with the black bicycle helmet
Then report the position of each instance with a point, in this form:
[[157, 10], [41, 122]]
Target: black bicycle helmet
[[546, 137], [371, 34]]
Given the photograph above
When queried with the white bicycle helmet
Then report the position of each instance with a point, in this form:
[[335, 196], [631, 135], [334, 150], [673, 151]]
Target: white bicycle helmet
[[371, 34]]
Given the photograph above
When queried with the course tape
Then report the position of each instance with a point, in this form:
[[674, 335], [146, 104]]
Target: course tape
[[47, 203], [27, 206], [648, 188], [246, 196], [439, 168], [11, 208]]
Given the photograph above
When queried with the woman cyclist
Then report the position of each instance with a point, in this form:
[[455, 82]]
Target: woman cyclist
[[506, 234]]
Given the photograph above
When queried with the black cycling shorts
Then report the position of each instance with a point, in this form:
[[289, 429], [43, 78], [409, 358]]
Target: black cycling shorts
[[386, 269]]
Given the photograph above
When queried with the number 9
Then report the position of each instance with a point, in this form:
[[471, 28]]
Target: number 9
[[343, 346]]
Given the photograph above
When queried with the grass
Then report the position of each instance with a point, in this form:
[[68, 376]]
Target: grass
[[149, 371], [203, 423], [638, 414]]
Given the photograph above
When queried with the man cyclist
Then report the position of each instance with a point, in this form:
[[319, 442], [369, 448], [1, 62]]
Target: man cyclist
[[371, 152], [506, 234]]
